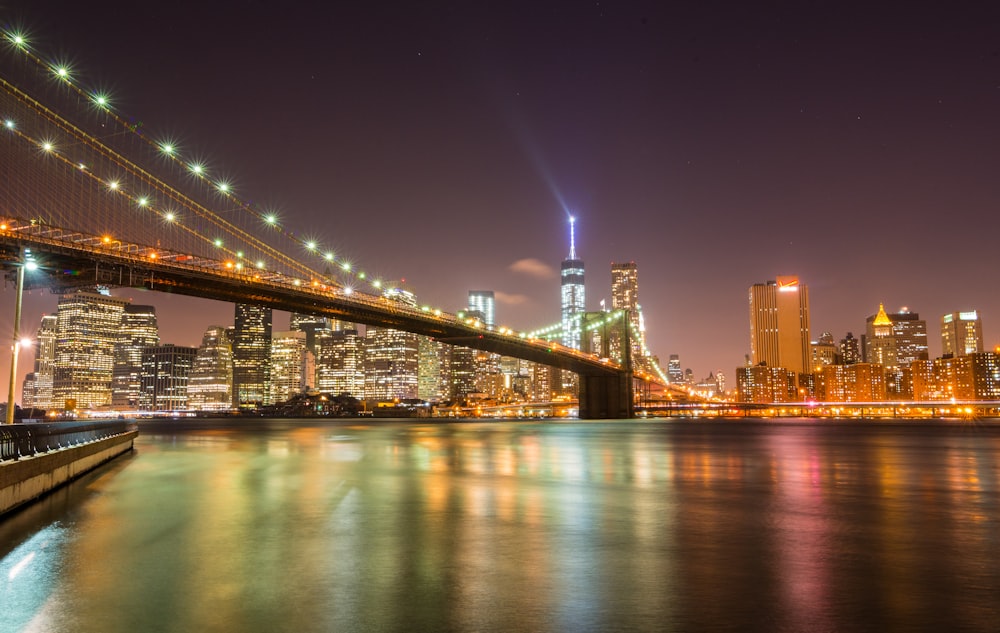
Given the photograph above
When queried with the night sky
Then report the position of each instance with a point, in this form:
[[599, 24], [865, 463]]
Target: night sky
[[714, 144]]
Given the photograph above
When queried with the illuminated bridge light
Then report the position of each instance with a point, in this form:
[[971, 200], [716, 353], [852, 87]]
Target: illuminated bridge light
[[223, 187], [311, 245], [167, 148], [218, 242], [377, 284], [329, 257], [101, 100], [169, 216], [61, 71], [113, 185], [346, 266], [197, 169], [361, 275], [9, 124], [143, 201], [47, 146], [239, 254], [271, 219], [260, 264]]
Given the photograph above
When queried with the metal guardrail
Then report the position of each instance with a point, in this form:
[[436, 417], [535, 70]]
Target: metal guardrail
[[24, 440]]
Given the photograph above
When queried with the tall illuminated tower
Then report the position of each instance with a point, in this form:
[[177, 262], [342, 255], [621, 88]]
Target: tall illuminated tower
[[779, 324], [138, 331], [625, 296], [961, 333], [483, 302], [251, 356], [88, 326], [572, 292], [210, 384], [45, 361]]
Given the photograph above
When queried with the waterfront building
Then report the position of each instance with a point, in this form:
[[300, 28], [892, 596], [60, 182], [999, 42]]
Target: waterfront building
[[462, 372], [779, 324], [432, 370], [210, 383], [340, 365], [859, 382], [45, 361], [87, 330], [391, 357], [164, 379], [961, 333], [139, 330], [973, 376], [762, 384], [293, 366], [28, 391], [251, 356]]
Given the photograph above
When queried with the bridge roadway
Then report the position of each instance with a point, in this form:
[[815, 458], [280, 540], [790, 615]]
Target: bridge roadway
[[67, 259]]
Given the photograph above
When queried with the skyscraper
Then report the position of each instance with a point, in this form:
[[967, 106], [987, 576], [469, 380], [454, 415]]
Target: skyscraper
[[45, 361], [164, 378], [961, 333], [391, 358], [572, 292], [309, 324], [483, 302], [895, 340], [340, 368], [210, 384], [87, 329], [779, 324], [251, 356], [138, 331], [292, 365], [625, 296]]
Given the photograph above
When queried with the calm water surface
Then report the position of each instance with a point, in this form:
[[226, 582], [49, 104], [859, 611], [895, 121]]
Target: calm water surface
[[286, 525]]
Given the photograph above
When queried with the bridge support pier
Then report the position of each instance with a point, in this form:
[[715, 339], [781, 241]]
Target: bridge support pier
[[606, 397]]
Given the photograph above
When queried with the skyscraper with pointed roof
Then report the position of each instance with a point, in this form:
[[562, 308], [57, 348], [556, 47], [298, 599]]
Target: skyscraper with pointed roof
[[895, 339], [572, 293]]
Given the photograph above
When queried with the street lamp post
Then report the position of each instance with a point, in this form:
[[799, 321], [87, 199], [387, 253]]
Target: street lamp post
[[26, 261]]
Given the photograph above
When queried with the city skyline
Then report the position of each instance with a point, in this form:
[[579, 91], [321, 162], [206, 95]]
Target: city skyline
[[753, 147]]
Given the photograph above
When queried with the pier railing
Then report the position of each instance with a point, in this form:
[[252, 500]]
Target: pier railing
[[24, 440]]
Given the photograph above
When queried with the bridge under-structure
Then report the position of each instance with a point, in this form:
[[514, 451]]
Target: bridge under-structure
[[64, 260]]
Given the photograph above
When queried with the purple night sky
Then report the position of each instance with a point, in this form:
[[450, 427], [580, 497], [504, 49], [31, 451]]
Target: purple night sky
[[714, 144]]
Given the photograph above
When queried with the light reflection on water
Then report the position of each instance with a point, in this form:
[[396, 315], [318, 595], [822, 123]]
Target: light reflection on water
[[277, 525]]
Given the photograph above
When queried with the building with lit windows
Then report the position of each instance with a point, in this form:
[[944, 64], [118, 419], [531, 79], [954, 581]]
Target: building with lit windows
[[625, 296], [895, 340], [860, 382], [88, 326], [850, 350], [391, 358], [969, 377], [961, 333], [138, 331], [309, 324], [292, 365], [571, 292], [340, 366], [210, 383], [779, 324], [164, 380], [761, 384], [45, 361], [675, 373], [432, 370], [823, 352], [483, 303], [251, 356]]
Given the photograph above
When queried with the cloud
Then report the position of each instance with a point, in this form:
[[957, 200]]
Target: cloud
[[510, 299], [533, 268]]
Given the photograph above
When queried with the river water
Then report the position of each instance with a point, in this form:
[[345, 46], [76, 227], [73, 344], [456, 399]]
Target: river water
[[291, 525]]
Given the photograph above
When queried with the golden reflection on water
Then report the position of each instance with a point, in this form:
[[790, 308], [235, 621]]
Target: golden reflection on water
[[509, 526]]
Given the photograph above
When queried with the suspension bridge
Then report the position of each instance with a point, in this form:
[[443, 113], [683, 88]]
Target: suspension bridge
[[91, 198]]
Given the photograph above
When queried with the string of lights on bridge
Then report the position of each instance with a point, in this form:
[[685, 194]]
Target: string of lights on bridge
[[169, 149], [116, 185]]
